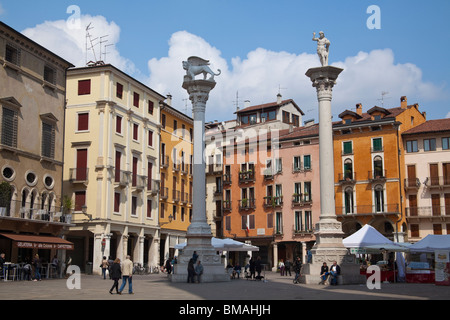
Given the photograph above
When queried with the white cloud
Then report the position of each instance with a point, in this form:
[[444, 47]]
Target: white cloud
[[51, 34], [448, 115], [262, 72]]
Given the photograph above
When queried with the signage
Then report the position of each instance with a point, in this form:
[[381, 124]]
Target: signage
[[39, 245], [442, 268]]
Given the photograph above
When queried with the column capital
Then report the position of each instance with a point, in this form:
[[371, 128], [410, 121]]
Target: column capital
[[324, 79]]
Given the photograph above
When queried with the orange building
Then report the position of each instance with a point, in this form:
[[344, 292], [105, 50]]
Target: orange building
[[369, 170]]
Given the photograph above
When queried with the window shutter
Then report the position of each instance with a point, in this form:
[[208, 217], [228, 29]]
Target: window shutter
[[83, 121], [84, 87]]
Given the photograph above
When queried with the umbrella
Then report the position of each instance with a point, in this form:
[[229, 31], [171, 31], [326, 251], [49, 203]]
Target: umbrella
[[226, 244]]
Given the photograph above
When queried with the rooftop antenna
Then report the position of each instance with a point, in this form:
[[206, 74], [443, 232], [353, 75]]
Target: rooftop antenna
[[236, 102], [280, 88], [90, 40], [101, 42], [186, 105], [383, 93]]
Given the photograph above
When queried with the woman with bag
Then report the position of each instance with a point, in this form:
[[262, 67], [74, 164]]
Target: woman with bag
[[116, 274]]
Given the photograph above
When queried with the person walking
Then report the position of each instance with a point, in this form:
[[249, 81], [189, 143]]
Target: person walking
[[258, 267], [297, 269], [127, 275], [281, 266], [37, 267], [168, 266], [287, 267], [115, 274], [252, 268], [104, 266]]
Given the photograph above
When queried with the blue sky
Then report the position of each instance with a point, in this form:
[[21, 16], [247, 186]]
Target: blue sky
[[260, 46]]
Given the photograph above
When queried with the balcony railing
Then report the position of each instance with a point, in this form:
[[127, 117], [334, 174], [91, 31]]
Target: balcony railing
[[347, 178], [213, 169], [246, 204], [217, 190], [377, 175], [227, 205], [78, 175], [428, 212], [227, 179], [184, 197], [246, 176], [164, 161], [412, 183], [437, 182], [368, 209], [153, 186], [273, 202], [29, 211], [301, 199], [139, 182], [175, 195], [122, 178], [164, 194]]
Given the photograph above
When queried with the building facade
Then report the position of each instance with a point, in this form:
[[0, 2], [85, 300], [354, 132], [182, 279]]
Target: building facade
[[175, 208], [427, 180], [111, 168], [369, 171], [32, 102]]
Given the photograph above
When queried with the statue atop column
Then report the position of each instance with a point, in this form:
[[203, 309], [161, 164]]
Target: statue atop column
[[195, 66], [323, 47]]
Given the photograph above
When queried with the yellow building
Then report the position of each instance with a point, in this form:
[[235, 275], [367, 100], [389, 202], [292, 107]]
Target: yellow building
[[369, 167], [176, 178], [111, 170]]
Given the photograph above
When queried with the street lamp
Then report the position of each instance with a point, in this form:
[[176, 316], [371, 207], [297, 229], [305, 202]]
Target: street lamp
[[84, 211], [170, 220]]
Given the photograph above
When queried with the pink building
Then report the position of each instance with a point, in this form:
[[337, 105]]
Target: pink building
[[297, 182]]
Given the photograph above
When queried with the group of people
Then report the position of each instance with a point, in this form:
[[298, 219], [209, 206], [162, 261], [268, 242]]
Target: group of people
[[195, 269], [119, 270], [31, 269], [331, 272]]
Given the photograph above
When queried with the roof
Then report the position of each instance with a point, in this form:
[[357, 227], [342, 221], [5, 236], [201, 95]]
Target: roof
[[270, 105], [300, 132], [430, 126]]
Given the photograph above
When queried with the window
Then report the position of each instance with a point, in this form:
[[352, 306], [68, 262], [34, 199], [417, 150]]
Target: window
[[377, 144], [429, 144], [133, 205], [414, 230], [286, 116], [348, 200], [270, 220], [48, 140], [278, 165], [83, 121], [118, 124], [136, 99], [307, 162], [378, 167], [162, 211], [298, 221], [379, 198], [135, 131], [119, 90], [228, 223], [9, 127], [308, 220], [268, 115], [297, 164], [446, 143], [117, 202], [149, 208], [411, 146], [174, 212], [295, 120], [80, 200], [150, 107], [279, 222], [348, 147], [84, 87], [12, 54], [49, 74], [307, 188], [150, 138], [175, 125], [163, 121]]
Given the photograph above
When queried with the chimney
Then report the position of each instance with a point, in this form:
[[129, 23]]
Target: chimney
[[309, 123], [169, 99], [246, 103], [279, 98], [424, 115], [359, 109], [403, 102]]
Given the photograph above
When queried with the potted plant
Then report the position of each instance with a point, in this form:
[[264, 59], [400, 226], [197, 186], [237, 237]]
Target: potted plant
[[67, 206]]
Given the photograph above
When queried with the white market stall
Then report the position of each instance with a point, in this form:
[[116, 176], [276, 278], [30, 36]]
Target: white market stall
[[226, 244]]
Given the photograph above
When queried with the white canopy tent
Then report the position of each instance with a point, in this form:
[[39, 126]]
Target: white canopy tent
[[226, 244], [366, 236], [431, 243]]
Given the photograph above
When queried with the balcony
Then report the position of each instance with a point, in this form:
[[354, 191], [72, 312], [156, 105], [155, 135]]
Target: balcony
[[122, 178], [176, 167], [369, 210], [437, 182], [217, 215], [78, 175], [412, 184], [273, 202], [184, 168], [247, 204], [184, 197], [246, 176], [139, 182], [300, 200], [347, 178], [377, 176], [226, 179], [164, 161], [217, 190], [16, 210], [153, 187], [164, 194], [428, 212], [214, 169], [175, 195], [227, 205]]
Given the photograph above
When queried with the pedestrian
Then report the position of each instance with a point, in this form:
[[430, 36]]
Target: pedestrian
[[110, 264], [297, 269], [287, 267], [104, 266], [191, 271], [37, 267], [252, 268], [199, 271], [324, 273], [168, 266], [2, 262], [258, 267], [281, 266], [55, 265], [115, 275], [335, 271], [195, 257], [127, 275]]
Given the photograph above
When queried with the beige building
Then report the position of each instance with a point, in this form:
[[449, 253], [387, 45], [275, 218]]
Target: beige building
[[111, 167], [32, 96]]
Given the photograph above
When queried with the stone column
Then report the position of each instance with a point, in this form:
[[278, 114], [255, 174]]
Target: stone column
[[199, 231], [329, 246]]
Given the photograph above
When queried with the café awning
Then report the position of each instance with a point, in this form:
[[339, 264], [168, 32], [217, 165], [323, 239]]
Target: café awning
[[38, 242]]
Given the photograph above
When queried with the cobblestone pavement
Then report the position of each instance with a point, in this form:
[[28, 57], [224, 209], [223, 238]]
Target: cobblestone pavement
[[158, 287]]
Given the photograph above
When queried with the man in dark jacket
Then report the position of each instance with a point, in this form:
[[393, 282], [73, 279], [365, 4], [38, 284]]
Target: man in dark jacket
[[335, 270], [297, 269]]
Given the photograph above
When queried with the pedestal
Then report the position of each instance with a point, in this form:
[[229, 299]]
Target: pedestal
[[329, 246], [199, 231]]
